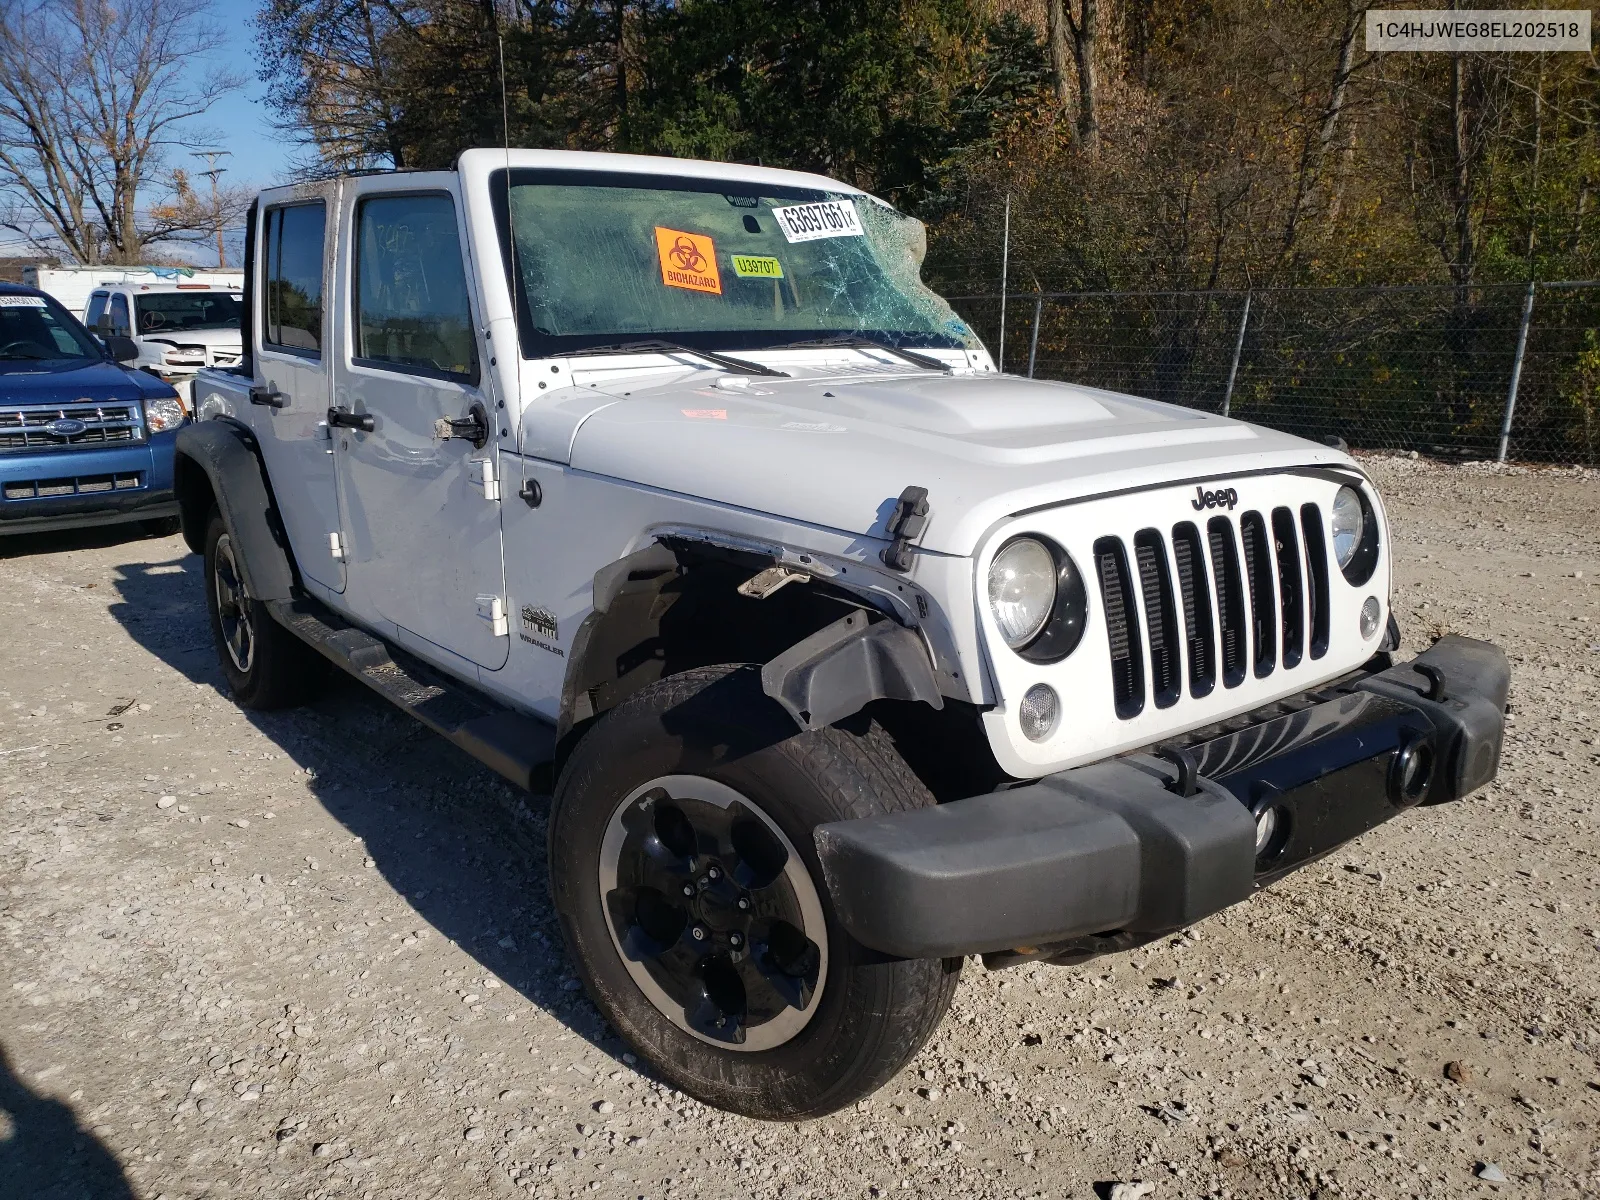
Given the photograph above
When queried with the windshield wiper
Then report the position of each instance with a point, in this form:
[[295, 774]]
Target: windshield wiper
[[856, 342], [656, 345]]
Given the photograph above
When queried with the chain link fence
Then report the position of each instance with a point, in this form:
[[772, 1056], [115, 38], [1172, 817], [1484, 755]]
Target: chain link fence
[[1487, 371]]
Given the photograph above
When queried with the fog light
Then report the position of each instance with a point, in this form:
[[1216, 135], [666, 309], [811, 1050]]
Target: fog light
[[1370, 612], [1039, 712], [1266, 827], [1411, 772]]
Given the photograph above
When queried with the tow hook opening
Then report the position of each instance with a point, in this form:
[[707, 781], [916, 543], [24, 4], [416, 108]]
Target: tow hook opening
[[1411, 772]]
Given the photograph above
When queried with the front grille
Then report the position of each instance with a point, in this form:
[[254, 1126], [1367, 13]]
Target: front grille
[[1251, 596], [28, 427], [1230, 598], [1258, 575], [1291, 588], [77, 485], [1160, 615], [1194, 591], [1122, 627], [1317, 563]]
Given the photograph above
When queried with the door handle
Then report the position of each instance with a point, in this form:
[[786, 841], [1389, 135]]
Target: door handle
[[343, 418], [269, 396], [474, 427]]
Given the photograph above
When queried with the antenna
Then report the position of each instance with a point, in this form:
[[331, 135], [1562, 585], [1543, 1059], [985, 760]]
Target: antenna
[[531, 494]]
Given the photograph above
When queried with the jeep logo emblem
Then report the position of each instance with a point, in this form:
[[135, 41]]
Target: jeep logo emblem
[[1221, 498], [65, 427]]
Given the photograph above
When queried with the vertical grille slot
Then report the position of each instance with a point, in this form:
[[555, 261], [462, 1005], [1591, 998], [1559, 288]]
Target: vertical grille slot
[[1317, 570], [1122, 627], [1194, 594], [1230, 599], [1160, 618], [1291, 586], [1258, 575]]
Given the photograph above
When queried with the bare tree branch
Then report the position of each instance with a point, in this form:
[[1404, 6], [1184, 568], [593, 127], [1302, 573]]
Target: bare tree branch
[[92, 98]]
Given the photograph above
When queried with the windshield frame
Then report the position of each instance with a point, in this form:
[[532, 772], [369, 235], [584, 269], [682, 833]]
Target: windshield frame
[[75, 327], [537, 345]]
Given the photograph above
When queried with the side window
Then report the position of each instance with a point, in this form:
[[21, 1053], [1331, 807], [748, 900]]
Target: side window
[[411, 308], [97, 309], [292, 268], [120, 325]]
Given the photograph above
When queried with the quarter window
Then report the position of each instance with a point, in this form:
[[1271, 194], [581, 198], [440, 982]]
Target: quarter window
[[411, 307], [293, 269]]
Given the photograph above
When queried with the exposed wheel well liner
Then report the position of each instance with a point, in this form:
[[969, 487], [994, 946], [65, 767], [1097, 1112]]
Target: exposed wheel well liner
[[676, 604]]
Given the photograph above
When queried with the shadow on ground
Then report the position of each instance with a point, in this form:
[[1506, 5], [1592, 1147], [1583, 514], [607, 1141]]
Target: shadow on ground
[[462, 847], [45, 1154], [94, 537]]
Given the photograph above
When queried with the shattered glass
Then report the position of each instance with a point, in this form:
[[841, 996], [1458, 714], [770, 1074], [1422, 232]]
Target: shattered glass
[[602, 257]]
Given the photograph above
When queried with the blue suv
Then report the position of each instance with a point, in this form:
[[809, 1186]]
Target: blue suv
[[84, 440]]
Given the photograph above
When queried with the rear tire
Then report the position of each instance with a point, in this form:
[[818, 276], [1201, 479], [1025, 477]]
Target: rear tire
[[266, 666], [747, 994]]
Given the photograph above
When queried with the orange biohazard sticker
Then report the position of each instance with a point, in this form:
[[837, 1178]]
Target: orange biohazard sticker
[[688, 260]]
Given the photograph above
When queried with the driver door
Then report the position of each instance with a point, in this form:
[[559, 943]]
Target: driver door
[[421, 509]]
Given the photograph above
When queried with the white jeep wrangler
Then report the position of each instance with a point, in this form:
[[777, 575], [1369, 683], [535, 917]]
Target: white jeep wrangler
[[668, 488]]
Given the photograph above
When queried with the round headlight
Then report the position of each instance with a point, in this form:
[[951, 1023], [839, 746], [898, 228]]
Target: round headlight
[[1022, 590], [1349, 523]]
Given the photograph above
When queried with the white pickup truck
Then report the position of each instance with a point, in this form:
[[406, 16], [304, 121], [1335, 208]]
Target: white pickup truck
[[669, 489], [178, 327]]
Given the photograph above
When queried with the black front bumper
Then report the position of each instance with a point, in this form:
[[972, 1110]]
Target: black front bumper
[[1136, 846]]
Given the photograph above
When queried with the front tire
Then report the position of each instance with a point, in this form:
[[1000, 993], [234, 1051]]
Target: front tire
[[683, 870], [265, 665]]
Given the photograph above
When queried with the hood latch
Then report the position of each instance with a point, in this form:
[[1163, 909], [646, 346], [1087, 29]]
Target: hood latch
[[906, 523]]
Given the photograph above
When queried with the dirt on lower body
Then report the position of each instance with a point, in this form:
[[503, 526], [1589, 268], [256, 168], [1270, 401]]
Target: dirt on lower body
[[311, 953]]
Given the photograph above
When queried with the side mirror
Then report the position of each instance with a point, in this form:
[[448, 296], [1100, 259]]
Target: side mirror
[[122, 349]]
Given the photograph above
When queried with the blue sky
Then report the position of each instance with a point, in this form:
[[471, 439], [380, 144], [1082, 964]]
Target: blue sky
[[259, 157]]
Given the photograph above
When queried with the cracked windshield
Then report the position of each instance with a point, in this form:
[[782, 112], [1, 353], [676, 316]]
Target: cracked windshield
[[714, 264]]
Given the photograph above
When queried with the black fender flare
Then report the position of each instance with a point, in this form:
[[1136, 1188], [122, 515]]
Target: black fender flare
[[220, 460]]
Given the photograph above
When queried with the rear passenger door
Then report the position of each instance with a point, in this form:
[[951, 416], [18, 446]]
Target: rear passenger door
[[289, 411], [421, 507]]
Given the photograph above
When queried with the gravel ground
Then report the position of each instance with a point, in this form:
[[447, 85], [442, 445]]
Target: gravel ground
[[310, 954]]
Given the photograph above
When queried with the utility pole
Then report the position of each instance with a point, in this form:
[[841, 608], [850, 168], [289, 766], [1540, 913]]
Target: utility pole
[[212, 172]]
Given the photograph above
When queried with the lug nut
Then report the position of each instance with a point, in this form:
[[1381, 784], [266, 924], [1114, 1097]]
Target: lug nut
[[735, 940], [698, 933], [688, 889], [714, 874], [744, 903]]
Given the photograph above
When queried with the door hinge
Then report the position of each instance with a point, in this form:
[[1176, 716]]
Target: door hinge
[[336, 545], [493, 610], [482, 473]]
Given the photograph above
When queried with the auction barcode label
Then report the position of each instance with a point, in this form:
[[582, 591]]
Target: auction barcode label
[[1482, 29], [825, 219]]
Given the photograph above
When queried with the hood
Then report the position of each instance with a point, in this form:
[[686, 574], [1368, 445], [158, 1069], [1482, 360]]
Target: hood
[[95, 381], [836, 450]]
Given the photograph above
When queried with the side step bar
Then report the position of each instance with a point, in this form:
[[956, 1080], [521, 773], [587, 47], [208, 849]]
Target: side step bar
[[507, 742]]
